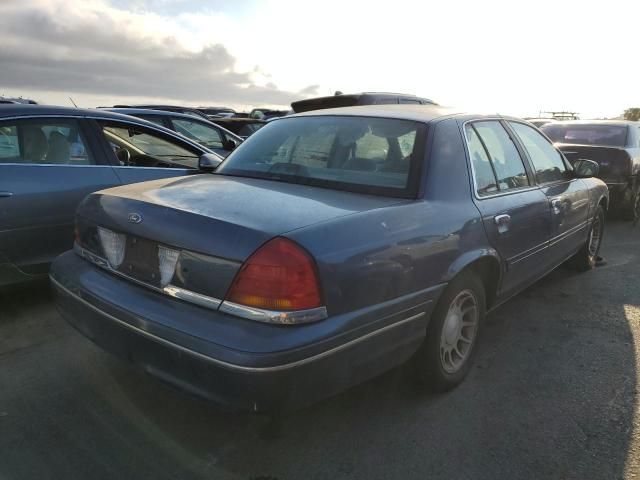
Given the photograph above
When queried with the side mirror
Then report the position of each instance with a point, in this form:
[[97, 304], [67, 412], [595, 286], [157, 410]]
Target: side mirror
[[584, 168], [209, 161]]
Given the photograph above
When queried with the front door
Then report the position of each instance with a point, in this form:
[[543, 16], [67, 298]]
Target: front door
[[514, 211], [46, 169], [568, 196]]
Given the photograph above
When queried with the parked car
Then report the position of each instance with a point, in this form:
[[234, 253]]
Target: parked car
[[52, 157], [267, 113], [214, 137], [17, 101], [538, 122], [168, 108], [218, 111], [356, 99], [615, 145], [243, 127], [330, 247]]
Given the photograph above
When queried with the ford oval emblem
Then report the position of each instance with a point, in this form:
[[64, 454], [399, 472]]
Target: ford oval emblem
[[135, 218]]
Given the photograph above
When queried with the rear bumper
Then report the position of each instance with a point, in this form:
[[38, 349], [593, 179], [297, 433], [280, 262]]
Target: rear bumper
[[319, 363]]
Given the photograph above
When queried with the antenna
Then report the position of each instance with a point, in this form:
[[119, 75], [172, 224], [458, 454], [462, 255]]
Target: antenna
[[74, 103]]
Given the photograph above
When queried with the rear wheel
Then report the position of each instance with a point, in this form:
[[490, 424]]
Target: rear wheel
[[586, 258], [446, 355], [631, 208]]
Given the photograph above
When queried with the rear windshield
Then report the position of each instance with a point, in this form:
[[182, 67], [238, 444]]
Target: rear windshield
[[605, 135], [360, 154]]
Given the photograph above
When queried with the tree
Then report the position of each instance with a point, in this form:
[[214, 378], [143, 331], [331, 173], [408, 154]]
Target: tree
[[632, 114]]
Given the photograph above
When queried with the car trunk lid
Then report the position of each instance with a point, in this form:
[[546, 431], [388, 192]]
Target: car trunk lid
[[614, 161], [214, 221]]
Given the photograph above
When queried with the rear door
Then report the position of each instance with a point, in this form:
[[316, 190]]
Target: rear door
[[47, 166], [568, 196], [139, 153], [514, 211]]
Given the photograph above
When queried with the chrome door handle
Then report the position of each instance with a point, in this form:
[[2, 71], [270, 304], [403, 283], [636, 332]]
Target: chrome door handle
[[556, 205], [502, 222], [6, 194]]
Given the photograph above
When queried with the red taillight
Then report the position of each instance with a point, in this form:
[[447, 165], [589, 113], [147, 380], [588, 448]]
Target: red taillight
[[280, 275]]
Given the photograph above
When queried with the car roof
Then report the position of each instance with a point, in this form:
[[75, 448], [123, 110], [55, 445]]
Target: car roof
[[418, 113], [596, 122], [149, 111], [24, 110]]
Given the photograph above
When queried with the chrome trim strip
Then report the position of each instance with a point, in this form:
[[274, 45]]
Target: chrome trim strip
[[568, 233], [192, 297], [272, 316], [233, 366]]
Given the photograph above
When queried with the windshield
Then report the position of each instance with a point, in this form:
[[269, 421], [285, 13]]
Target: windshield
[[374, 155], [604, 135]]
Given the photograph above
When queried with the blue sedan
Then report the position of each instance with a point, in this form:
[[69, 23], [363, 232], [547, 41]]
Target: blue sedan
[[328, 248]]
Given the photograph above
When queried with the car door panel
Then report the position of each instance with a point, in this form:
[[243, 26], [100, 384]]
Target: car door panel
[[568, 196], [37, 210], [522, 238], [569, 206], [515, 213]]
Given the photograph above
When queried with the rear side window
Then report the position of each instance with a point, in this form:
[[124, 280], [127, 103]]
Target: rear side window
[[547, 161], [44, 142], [507, 164], [486, 182]]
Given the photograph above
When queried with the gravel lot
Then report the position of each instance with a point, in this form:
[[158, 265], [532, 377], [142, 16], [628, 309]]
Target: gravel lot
[[553, 395]]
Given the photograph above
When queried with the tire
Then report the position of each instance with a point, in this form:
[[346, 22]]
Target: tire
[[586, 257], [435, 362], [631, 208]]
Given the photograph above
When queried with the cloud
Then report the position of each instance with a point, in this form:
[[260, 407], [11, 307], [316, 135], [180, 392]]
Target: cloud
[[87, 46]]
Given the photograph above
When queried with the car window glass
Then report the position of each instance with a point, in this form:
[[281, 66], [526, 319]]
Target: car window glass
[[547, 161], [9, 145], [341, 151], [203, 134], [486, 182], [372, 147], [47, 142], [504, 156], [157, 119], [406, 143], [138, 147]]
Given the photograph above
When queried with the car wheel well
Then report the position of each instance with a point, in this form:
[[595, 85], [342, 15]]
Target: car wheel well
[[488, 269], [604, 203]]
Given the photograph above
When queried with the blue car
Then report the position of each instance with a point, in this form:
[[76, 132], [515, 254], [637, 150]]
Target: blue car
[[328, 248], [52, 157]]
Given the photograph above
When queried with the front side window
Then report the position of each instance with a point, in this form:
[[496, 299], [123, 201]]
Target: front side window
[[138, 147], [506, 161], [547, 161], [46, 142], [374, 155], [205, 135]]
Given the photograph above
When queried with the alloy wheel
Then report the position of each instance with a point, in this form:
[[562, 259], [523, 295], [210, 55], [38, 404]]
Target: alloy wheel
[[459, 331]]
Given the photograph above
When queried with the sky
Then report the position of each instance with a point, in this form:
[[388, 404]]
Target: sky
[[511, 57]]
